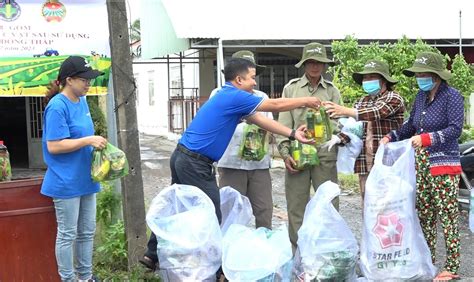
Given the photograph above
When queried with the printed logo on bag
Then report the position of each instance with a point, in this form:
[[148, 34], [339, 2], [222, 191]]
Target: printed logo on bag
[[389, 230]]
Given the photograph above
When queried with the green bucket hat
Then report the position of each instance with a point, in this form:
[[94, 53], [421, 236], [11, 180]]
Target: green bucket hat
[[248, 55], [314, 51], [429, 62], [374, 66]]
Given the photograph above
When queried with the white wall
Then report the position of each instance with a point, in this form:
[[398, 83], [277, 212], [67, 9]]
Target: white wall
[[153, 119]]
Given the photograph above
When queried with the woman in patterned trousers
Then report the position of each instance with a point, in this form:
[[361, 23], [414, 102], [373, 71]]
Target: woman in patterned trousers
[[434, 126]]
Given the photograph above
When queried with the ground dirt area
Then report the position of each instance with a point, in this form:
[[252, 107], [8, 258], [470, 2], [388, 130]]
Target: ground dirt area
[[156, 151]]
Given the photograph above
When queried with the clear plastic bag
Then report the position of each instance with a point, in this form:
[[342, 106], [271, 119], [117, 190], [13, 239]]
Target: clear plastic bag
[[256, 255], [318, 126], [254, 145], [471, 211], [189, 237], [393, 245], [235, 208], [304, 155], [327, 249], [347, 155], [108, 164]]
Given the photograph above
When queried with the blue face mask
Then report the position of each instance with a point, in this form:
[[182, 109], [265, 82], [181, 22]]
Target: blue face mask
[[425, 83], [371, 87]]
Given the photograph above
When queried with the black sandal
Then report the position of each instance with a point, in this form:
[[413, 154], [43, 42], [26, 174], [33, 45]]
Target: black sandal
[[148, 263]]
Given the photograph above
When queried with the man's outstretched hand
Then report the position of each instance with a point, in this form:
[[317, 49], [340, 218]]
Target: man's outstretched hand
[[300, 135]]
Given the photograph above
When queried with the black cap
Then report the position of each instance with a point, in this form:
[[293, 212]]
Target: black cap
[[76, 66]]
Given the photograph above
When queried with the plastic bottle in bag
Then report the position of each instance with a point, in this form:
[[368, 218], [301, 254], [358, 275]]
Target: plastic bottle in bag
[[296, 150], [254, 145], [304, 155], [310, 126], [5, 167], [319, 128]]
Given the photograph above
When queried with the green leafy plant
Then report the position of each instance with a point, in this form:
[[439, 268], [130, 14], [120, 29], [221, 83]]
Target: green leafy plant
[[112, 252], [98, 117], [467, 134], [108, 204], [352, 57], [463, 78]]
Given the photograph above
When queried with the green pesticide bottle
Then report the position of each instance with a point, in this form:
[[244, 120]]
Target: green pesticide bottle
[[310, 125]]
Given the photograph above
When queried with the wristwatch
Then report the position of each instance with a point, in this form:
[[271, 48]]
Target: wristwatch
[[292, 135]]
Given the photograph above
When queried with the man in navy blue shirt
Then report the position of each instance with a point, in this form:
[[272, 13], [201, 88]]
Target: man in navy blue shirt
[[208, 135]]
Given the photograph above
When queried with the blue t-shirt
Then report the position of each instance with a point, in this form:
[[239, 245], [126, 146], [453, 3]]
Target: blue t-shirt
[[68, 174], [211, 129]]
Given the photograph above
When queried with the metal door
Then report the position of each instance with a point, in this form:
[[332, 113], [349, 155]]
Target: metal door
[[34, 120]]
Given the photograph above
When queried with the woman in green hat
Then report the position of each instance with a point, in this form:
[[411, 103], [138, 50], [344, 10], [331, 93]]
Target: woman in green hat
[[381, 111], [434, 127]]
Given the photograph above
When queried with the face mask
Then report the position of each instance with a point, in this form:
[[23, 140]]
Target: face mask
[[425, 83], [371, 87]]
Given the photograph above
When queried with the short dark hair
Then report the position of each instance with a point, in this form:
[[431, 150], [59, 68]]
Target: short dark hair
[[237, 66]]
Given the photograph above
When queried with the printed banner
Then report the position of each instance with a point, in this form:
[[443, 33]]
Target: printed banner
[[37, 35]]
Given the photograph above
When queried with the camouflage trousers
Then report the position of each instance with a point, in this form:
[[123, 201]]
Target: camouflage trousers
[[437, 196]]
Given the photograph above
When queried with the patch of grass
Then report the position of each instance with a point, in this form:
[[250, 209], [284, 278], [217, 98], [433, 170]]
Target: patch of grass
[[138, 273], [349, 183]]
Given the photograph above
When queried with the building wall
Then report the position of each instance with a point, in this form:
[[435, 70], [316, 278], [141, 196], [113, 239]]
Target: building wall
[[207, 76], [152, 97]]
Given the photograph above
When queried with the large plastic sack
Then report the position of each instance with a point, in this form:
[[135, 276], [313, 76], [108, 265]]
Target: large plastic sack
[[347, 155], [256, 254], [471, 211], [327, 249], [189, 237], [108, 164], [393, 245], [235, 208]]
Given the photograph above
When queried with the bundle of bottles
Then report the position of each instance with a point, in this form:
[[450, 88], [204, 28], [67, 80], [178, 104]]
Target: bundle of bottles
[[318, 128]]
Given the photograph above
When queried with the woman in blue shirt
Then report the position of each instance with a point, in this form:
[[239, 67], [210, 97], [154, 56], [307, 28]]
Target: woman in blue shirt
[[68, 141]]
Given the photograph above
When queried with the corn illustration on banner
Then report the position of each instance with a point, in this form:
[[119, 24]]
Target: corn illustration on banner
[[37, 35]]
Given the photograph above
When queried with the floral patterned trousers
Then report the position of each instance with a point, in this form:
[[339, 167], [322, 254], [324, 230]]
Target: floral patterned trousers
[[437, 196]]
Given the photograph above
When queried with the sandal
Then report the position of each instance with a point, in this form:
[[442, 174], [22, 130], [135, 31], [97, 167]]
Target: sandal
[[148, 263], [446, 276]]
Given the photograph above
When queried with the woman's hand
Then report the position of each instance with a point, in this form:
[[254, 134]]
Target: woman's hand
[[336, 111], [384, 140], [97, 141], [416, 141]]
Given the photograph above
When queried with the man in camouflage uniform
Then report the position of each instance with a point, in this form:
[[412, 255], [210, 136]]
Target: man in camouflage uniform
[[297, 183]]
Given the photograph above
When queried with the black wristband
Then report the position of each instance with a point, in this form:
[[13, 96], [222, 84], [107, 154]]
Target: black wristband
[[292, 135]]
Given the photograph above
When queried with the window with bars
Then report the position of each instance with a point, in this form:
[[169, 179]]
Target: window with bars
[[36, 117]]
